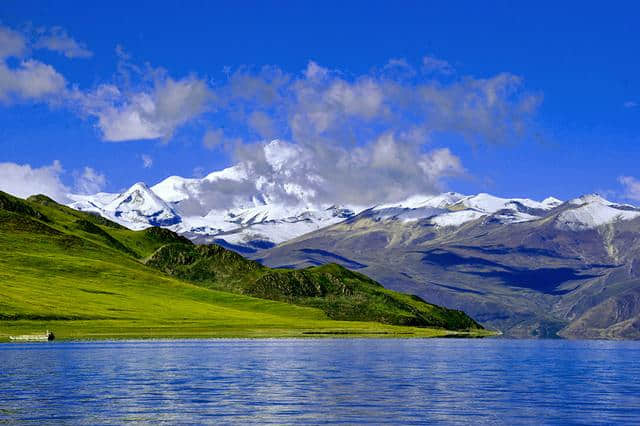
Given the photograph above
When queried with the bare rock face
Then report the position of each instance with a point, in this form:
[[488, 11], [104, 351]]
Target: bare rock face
[[617, 317]]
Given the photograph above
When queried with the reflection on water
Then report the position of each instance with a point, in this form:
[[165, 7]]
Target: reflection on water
[[322, 381]]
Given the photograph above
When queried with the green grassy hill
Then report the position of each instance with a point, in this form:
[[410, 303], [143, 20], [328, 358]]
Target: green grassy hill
[[342, 294], [85, 277]]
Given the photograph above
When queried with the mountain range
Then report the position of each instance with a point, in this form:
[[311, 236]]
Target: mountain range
[[528, 268], [239, 207]]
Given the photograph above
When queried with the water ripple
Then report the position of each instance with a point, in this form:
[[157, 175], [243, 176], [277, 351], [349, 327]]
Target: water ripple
[[322, 381]]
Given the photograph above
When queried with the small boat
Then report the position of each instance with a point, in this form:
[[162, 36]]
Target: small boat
[[46, 337]]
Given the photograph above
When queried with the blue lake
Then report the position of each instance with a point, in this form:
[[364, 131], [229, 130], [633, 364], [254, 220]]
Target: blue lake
[[322, 381]]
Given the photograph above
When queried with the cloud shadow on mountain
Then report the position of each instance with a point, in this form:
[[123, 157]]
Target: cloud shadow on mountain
[[544, 280]]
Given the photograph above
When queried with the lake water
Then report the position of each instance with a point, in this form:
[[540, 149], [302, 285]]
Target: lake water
[[322, 381]]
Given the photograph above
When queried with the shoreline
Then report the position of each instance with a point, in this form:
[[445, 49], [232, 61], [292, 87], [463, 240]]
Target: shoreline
[[118, 330]]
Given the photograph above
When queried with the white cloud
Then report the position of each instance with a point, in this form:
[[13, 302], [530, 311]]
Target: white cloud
[[30, 80], [56, 39], [262, 124], [631, 187], [154, 109], [149, 113], [360, 99], [359, 139], [366, 139], [315, 71], [22, 180], [398, 67], [216, 138], [386, 153], [431, 64], [385, 170], [89, 181], [147, 161], [440, 163], [198, 172], [213, 138], [12, 43]]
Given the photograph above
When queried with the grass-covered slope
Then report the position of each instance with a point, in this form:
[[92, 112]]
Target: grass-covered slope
[[85, 277], [342, 294]]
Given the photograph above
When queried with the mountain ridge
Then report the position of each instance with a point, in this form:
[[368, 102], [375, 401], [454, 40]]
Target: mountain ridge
[[258, 223], [532, 278], [254, 205]]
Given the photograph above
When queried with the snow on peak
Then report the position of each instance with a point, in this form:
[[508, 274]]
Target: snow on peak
[[484, 202], [456, 218], [237, 173], [274, 179], [591, 210], [590, 198], [176, 189], [592, 215], [551, 202], [173, 189], [265, 199], [445, 209], [416, 207], [440, 201], [274, 223], [139, 197], [512, 216], [137, 208], [488, 203]]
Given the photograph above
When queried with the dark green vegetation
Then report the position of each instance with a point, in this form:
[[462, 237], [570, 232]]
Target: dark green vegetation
[[83, 276], [339, 292], [529, 279]]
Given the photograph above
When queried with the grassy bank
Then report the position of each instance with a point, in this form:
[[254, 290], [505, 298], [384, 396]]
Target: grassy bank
[[135, 329]]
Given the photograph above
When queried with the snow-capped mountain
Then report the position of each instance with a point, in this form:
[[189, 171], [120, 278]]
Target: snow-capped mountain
[[239, 205], [252, 206], [529, 268], [260, 226], [591, 211], [452, 210], [255, 219], [136, 208], [254, 223]]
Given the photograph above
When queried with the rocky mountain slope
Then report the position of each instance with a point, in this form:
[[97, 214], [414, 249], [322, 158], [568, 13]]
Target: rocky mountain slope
[[530, 269]]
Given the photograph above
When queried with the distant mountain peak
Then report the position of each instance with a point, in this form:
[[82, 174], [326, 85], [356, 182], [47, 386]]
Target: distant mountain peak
[[590, 198], [590, 211], [551, 201], [241, 206], [137, 208], [138, 186]]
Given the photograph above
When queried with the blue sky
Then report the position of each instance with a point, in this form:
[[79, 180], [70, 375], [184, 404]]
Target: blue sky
[[572, 78]]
